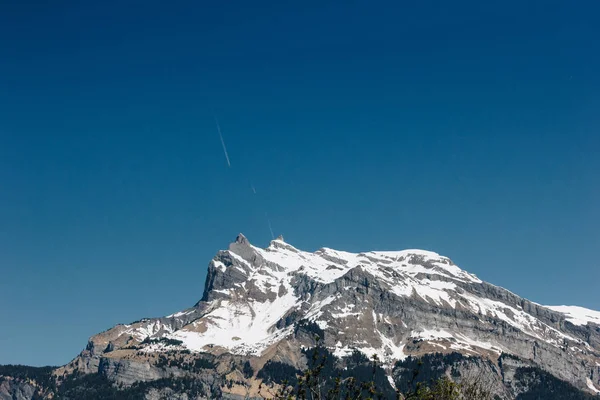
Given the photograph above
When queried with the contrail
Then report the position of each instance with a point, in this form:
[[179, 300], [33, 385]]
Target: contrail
[[222, 142], [253, 188], [270, 228]]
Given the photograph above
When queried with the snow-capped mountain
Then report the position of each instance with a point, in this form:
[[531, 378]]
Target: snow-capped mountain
[[258, 304]]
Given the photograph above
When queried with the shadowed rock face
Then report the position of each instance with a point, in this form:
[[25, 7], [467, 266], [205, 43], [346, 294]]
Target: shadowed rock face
[[393, 304], [17, 390]]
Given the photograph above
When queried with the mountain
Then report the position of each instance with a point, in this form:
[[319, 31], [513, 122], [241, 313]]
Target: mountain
[[263, 308]]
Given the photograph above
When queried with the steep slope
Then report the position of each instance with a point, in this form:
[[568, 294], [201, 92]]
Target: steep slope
[[578, 315], [263, 304]]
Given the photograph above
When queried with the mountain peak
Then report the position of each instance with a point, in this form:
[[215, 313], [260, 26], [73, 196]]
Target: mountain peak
[[267, 302], [241, 239]]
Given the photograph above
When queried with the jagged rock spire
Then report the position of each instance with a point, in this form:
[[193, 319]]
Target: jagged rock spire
[[280, 238], [241, 239]]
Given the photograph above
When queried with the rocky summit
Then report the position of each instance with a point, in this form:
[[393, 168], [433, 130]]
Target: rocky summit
[[266, 307]]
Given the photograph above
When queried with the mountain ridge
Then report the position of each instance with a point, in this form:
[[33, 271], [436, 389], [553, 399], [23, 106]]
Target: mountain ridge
[[253, 296], [261, 305]]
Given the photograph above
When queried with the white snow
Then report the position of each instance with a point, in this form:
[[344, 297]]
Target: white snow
[[388, 353], [458, 341], [247, 325], [578, 315], [219, 265], [326, 265], [180, 314], [244, 325], [391, 381], [148, 328], [322, 324], [316, 310], [392, 351], [590, 384], [404, 253], [346, 311], [517, 318], [238, 258], [432, 334]]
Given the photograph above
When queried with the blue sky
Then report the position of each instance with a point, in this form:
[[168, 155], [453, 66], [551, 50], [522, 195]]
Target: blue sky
[[468, 129]]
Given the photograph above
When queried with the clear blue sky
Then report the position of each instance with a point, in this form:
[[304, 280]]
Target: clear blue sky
[[469, 129]]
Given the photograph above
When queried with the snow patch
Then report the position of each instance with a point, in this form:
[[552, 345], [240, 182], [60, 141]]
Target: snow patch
[[578, 315], [458, 341], [391, 381], [148, 328], [180, 314], [590, 385], [245, 327]]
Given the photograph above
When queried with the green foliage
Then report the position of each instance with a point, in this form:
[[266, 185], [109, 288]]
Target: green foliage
[[163, 361], [165, 341], [357, 358], [98, 387], [364, 379], [429, 368], [177, 359], [442, 389], [322, 380], [509, 356], [247, 370], [360, 368], [279, 373], [203, 363], [90, 387], [41, 375]]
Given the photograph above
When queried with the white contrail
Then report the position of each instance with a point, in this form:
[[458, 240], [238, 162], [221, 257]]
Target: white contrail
[[253, 188], [222, 142], [270, 228]]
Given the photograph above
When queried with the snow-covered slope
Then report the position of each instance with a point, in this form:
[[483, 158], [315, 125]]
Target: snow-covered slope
[[389, 303], [578, 315], [245, 324]]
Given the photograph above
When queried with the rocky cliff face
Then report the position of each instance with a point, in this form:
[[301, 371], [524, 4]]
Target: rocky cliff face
[[18, 390], [267, 304]]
